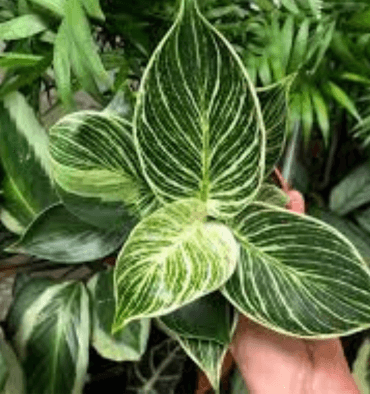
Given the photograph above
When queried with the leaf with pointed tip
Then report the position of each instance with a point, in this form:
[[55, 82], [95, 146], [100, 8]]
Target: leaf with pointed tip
[[21, 27], [352, 192], [93, 9], [96, 168], [207, 318], [298, 275], [171, 258], [271, 194], [197, 125], [50, 328], [274, 107], [28, 187], [130, 342], [59, 236]]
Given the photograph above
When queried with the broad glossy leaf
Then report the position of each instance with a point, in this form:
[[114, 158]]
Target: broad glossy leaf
[[171, 258], [271, 194], [58, 235], [28, 186], [197, 124], [208, 318], [130, 342], [96, 167], [12, 381], [21, 27], [352, 192], [274, 102], [298, 275], [354, 233], [50, 323], [16, 60]]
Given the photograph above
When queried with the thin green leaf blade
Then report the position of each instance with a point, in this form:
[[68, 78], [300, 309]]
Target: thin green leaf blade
[[22, 27], [297, 275], [322, 114], [17, 60], [183, 259], [93, 9], [130, 342], [197, 124], [59, 236], [352, 192], [23, 153], [300, 46], [50, 327]]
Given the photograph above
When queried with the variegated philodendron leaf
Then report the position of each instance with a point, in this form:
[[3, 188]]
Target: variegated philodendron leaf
[[207, 354], [271, 194], [28, 188], [198, 126], [130, 342], [95, 166], [50, 326], [274, 105], [298, 275], [170, 259]]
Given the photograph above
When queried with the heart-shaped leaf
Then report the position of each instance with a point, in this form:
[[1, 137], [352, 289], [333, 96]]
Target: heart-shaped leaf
[[96, 168], [128, 344], [28, 188], [50, 326], [298, 275], [198, 126], [59, 236], [171, 258], [207, 318]]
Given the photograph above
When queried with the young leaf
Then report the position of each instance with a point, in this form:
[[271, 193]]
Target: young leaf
[[59, 236], [197, 124], [271, 194], [23, 153], [171, 258], [96, 167], [21, 27], [352, 192], [130, 342], [297, 275], [207, 318], [274, 102], [51, 328]]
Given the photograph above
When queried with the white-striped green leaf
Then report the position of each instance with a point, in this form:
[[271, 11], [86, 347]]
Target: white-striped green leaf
[[274, 107], [271, 194], [298, 275], [21, 27], [11, 374], [197, 124], [50, 323], [130, 342], [96, 168], [28, 187], [208, 355], [171, 258], [207, 318], [352, 192], [58, 235]]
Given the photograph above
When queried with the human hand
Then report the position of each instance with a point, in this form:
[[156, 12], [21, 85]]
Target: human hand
[[274, 363]]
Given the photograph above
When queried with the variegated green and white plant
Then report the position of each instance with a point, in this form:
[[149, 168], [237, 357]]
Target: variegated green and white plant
[[182, 185]]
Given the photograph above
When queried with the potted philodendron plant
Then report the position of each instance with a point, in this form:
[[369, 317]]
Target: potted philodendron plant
[[181, 185]]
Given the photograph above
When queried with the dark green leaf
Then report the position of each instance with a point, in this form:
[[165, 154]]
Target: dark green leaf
[[207, 318], [59, 236]]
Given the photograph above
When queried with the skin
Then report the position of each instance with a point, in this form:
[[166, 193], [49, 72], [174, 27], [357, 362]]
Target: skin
[[271, 362]]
